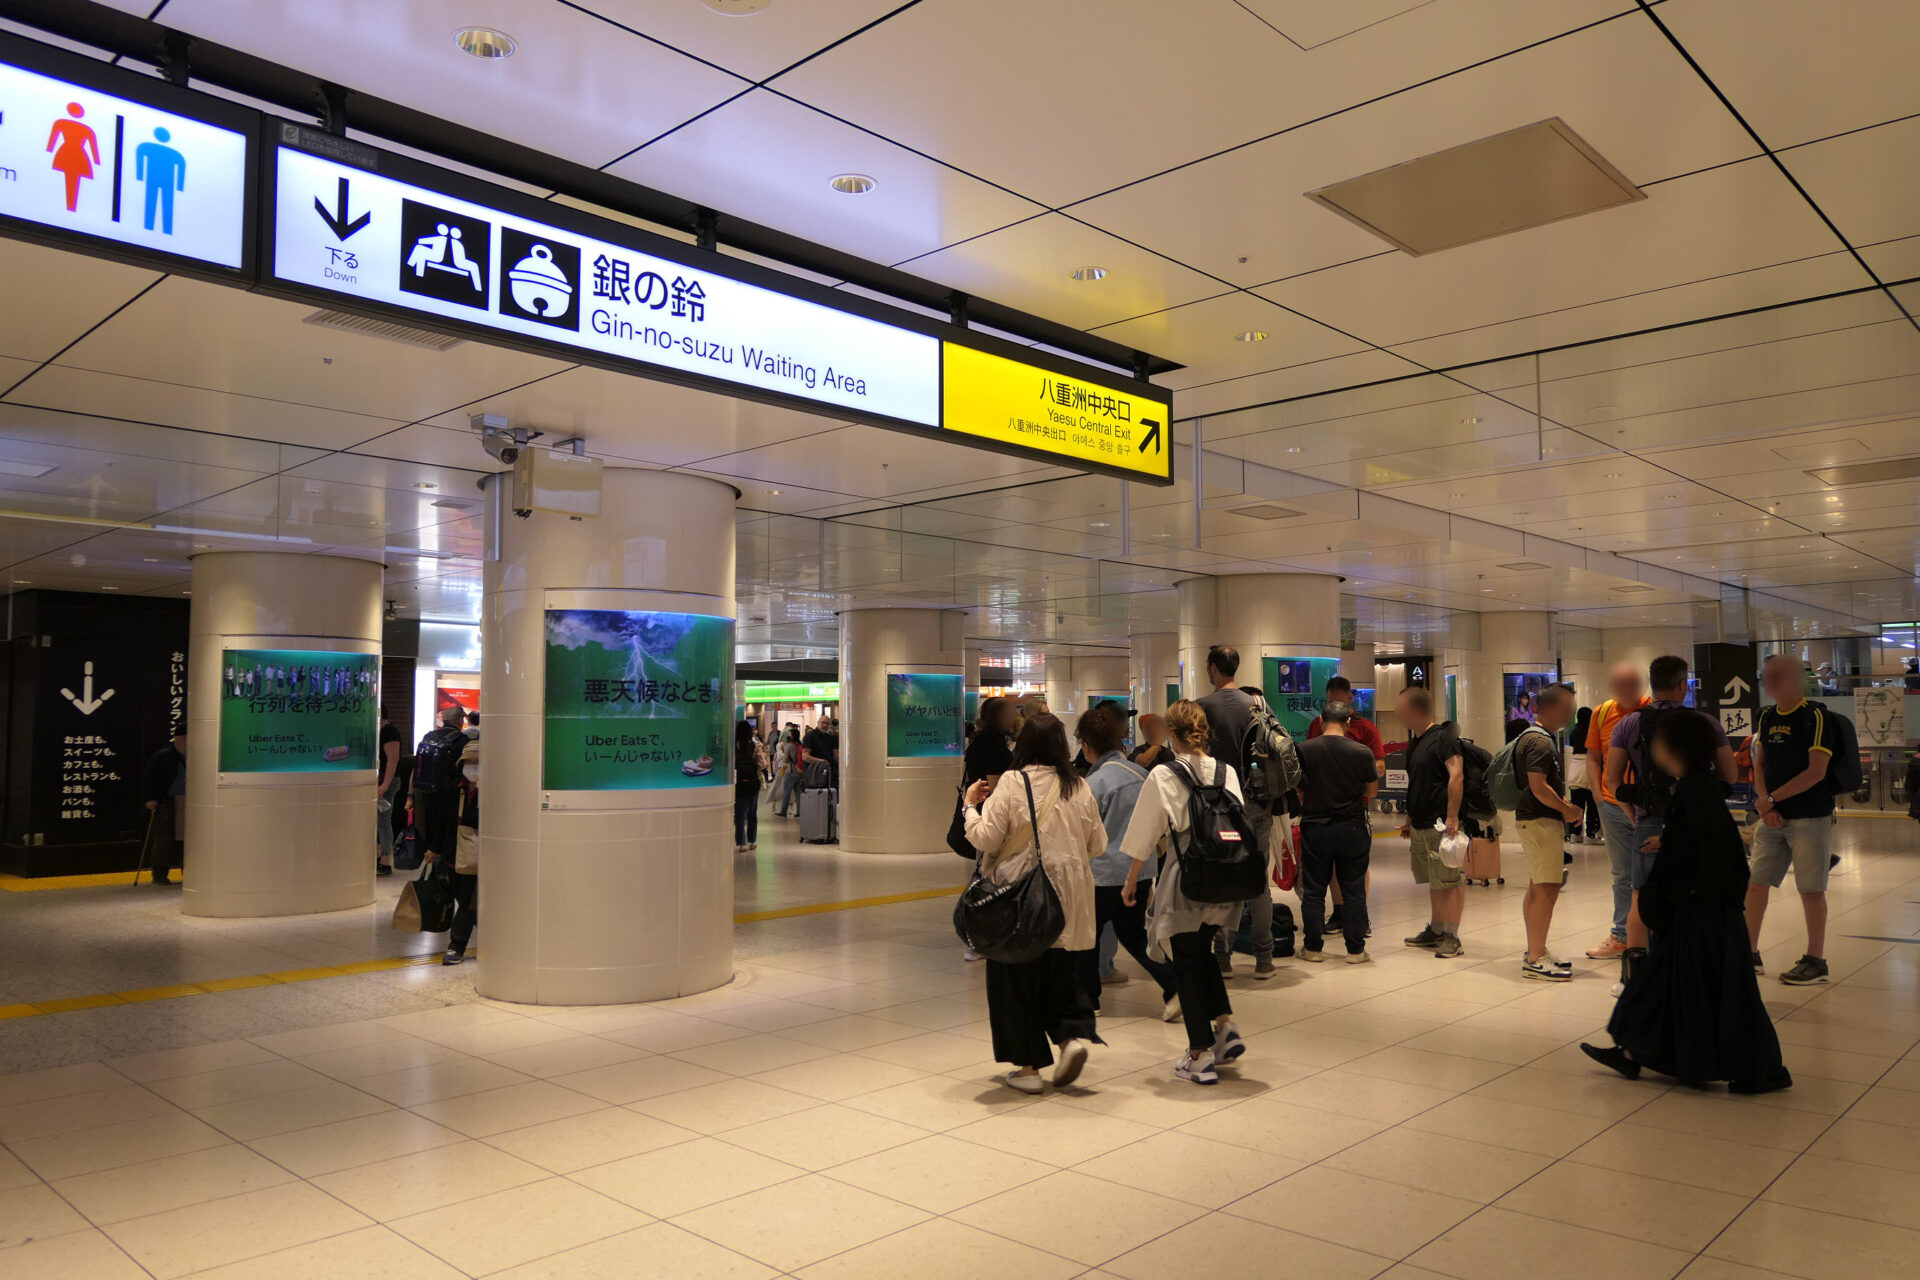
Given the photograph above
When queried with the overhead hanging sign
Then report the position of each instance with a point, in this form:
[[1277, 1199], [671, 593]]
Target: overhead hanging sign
[[366, 228], [81, 165], [1077, 420], [377, 239]]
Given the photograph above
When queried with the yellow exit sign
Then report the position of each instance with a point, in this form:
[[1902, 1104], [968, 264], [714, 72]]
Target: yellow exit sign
[[1069, 419]]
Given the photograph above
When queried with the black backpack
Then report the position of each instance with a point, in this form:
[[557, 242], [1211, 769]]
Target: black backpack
[[1843, 771], [436, 761], [1647, 785], [1476, 762], [1220, 860]]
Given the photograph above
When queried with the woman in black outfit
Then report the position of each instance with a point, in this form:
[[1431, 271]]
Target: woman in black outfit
[[990, 750], [1580, 792], [746, 788], [1691, 1008]]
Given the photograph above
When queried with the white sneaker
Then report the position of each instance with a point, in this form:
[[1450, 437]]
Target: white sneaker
[[1617, 990], [970, 955], [1172, 1012], [1034, 1084], [1196, 1067], [1073, 1056], [1546, 969]]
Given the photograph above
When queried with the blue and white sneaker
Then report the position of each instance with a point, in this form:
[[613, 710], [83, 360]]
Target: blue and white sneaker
[[1196, 1068], [1546, 969], [1228, 1045]]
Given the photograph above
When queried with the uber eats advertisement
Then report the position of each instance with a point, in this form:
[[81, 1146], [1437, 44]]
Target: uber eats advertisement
[[637, 701], [924, 715], [298, 711]]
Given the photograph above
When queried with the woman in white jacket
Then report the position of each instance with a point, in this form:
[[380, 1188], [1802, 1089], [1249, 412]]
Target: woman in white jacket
[[1028, 1004], [1178, 929]]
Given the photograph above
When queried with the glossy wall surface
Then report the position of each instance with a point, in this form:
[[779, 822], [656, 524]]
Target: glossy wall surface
[[905, 806], [631, 898], [285, 844], [1295, 615]]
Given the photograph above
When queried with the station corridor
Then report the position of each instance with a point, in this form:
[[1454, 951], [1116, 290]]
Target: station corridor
[[832, 1112]]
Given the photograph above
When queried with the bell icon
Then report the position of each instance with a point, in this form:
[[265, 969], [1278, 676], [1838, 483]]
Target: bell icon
[[538, 285]]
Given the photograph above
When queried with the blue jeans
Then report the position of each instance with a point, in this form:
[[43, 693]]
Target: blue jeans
[[1624, 837]]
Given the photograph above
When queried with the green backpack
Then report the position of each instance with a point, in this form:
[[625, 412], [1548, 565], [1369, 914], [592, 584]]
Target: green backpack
[[1503, 775]]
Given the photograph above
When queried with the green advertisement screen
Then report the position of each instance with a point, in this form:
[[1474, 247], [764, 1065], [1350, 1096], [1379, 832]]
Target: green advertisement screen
[[637, 701], [1295, 688], [924, 715], [1173, 693], [973, 704], [298, 711]]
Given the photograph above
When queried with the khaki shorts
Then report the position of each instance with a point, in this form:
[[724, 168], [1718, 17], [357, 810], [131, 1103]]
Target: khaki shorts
[[1543, 840], [1424, 846]]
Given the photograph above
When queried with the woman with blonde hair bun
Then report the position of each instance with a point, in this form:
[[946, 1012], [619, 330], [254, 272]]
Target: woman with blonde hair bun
[[1180, 930]]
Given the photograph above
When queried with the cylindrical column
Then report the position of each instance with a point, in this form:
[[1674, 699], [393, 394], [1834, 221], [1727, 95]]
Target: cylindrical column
[[893, 799], [1641, 645], [1263, 615], [1153, 666], [1517, 643], [606, 865], [289, 645], [1074, 683]]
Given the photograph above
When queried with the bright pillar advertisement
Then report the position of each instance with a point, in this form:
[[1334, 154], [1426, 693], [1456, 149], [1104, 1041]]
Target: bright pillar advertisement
[[1295, 688], [298, 711], [637, 701], [924, 715]]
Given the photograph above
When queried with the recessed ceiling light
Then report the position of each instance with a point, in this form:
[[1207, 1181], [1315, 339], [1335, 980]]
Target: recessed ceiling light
[[1088, 273], [23, 582], [737, 8], [774, 492], [116, 588], [1251, 335], [485, 42], [425, 484], [149, 560], [1293, 448], [1613, 475], [851, 184], [27, 470], [1100, 524], [1469, 422]]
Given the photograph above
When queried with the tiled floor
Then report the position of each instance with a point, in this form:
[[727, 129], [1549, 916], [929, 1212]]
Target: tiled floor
[[832, 1114]]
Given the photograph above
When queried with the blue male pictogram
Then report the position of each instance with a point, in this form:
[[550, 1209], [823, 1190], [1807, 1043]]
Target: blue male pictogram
[[164, 170]]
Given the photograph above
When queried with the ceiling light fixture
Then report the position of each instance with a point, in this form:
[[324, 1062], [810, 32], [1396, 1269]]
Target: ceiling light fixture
[[485, 43], [25, 470], [1251, 335], [851, 184], [737, 8], [116, 588], [425, 484], [774, 492], [1088, 273]]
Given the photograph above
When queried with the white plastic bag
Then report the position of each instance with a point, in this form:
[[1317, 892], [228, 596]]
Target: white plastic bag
[[1453, 848]]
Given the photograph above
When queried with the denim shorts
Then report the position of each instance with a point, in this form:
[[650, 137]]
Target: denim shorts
[[1805, 844], [1640, 865]]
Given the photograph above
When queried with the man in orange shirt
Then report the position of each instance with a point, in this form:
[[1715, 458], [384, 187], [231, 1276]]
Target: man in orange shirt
[[1629, 695]]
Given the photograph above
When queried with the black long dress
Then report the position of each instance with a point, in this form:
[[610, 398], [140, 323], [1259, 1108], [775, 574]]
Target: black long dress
[[1692, 1007]]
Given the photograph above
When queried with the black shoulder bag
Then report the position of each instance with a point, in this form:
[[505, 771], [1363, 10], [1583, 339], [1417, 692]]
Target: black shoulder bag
[[1013, 923]]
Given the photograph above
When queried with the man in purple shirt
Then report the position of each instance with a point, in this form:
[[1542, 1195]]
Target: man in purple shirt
[[1640, 789]]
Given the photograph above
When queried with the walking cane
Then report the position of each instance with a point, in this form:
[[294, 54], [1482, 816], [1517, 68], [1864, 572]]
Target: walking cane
[[146, 842]]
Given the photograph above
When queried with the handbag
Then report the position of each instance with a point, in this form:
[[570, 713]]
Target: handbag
[[409, 851], [433, 897], [957, 829], [466, 854], [406, 912], [1286, 872], [1013, 923]]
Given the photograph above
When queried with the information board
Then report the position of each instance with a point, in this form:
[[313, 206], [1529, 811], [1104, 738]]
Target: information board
[[1880, 716], [924, 715], [298, 711], [87, 164], [637, 701], [1071, 418]]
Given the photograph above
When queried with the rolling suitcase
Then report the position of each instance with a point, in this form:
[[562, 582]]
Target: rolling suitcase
[[1483, 863], [819, 814]]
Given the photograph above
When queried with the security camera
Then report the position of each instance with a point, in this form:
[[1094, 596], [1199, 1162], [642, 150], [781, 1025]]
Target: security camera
[[500, 440]]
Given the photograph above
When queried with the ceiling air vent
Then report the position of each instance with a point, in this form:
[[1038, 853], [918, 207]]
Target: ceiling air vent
[[1266, 511], [1526, 177], [1633, 588], [1868, 472], [1525, 566], [383, 329]]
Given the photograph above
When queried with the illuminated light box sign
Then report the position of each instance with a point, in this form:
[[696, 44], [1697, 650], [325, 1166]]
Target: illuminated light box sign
[[377, 239], [637, 701], [1295, 688], [92, 166], [790, 691], [924, 716], [1077, 420], [298, 711]]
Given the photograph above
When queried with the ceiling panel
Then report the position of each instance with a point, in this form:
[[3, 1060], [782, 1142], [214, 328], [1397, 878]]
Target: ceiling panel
[[1682, 232], [771, 154], [1205, 336], [1099, 93], [1287, 383], [578, 87], [1868, 182], [1799, 71], [1030, 264], [1243, 216], [754, 45], [71, 293]]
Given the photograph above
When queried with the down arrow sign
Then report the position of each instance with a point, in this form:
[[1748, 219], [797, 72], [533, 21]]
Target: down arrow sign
[[342, 228]]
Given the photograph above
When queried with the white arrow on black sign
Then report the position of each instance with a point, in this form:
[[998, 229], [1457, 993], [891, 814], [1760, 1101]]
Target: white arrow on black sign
[[1736, 690], [86, 702]]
